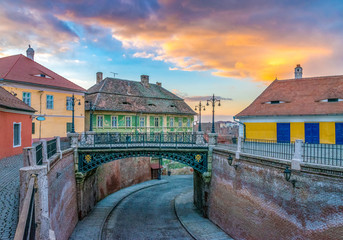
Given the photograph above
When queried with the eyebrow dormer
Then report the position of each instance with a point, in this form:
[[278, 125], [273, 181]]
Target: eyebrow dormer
[[332, 100], [275, 102]]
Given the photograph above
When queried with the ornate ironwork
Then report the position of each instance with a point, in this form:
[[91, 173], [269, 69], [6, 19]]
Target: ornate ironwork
[[134, 140], [90, 159]]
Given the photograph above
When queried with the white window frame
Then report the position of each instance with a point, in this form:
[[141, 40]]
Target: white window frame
[[116, 121], [102, 121], [180, 122], [27, 98], [69, 104], [14, 123], [188, 122], [128, 117], [171, 122], [140, 121], [158, 122], [52, 101]]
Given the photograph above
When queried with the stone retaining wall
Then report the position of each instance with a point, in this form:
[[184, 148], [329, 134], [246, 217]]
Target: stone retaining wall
[[254, 201], [109, 178]]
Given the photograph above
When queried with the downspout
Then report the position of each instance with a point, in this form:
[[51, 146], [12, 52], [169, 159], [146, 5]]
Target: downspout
[[234, 119]]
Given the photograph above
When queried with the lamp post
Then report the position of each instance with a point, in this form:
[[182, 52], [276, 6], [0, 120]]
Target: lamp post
[[200, 107], [73, 100], [213, 100], [91, 110]]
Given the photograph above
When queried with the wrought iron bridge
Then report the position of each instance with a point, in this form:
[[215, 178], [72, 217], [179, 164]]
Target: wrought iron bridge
[[95, 149]]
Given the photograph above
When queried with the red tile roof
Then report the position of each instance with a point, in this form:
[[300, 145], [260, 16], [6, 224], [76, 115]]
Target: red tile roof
[[21, 69], [7, 100], [301, 96]]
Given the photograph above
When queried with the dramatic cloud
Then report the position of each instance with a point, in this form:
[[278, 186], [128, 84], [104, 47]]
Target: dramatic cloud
[[239, 39], [197, 98]]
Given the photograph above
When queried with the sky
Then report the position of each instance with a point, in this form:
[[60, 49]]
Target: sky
[[195, 48]]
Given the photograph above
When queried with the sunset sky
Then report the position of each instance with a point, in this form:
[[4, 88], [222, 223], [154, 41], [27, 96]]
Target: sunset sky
[[232, 48]]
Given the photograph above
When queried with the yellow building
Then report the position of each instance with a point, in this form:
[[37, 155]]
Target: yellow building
[[47, 92], [310, 109]]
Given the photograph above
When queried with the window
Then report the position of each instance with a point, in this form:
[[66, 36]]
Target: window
[[69, 103], [171, 122], [128, 121], [27, 98], [333, 100], [114, 121], [16, 134], [49, 102], [69, 125], [33, 128], [188, 122], [156, 121], [180, 122], [141, 121], [100, 121]]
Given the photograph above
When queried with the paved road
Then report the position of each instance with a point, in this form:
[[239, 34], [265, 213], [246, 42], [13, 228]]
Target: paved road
[[9, 195], [149, 213]]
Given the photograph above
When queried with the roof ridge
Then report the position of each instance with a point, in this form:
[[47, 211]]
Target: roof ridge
[[306, 78], [19, 55]]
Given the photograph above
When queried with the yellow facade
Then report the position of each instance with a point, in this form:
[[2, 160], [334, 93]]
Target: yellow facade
[[297, 131], [268, 131], [327, 132], [263, 131], [56, 119]]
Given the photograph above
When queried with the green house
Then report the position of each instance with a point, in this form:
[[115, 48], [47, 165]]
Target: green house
[[118, 105]]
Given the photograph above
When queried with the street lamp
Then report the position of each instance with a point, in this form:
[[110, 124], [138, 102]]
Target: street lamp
[[200, 107], [73, 100], [91, 110], [213, 100]]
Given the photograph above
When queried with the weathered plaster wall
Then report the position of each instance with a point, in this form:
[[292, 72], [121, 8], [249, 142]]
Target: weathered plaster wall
[[255, 202], [109, 178], [62, 196]]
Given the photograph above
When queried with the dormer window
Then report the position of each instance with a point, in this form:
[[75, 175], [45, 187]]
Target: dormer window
[[275, 102], [332, 100], [151, 105], [43, 76], [126, 103], [172, 106]]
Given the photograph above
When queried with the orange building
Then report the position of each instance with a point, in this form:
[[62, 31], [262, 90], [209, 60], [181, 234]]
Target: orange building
[[15, 124]]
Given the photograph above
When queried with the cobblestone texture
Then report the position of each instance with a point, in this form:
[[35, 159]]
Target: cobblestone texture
[[9, 197]]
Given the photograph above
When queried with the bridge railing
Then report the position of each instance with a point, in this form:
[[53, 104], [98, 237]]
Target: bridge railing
[[269, 148], [321, 154], [138, 139]]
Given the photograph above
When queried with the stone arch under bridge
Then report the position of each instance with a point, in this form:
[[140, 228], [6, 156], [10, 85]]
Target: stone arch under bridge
[[89, 159]]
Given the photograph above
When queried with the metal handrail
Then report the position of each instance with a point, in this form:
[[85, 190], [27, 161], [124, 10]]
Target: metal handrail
[[26, 228], [144, 139], [51, 147], [39, 154]]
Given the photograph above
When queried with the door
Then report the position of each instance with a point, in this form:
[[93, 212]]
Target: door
[[339, 133], [312, 133], [283, 132]]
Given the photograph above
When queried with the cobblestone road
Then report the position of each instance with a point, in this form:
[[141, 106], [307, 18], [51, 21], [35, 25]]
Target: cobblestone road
[[9, 195], [149, 213]]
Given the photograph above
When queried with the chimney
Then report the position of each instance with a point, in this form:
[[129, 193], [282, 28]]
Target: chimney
[[145, 80], [159, 84], [298, 72], [30, 53], [98, 77]]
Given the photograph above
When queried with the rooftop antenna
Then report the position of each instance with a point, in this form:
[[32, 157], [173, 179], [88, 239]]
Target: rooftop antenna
[[114, 74]]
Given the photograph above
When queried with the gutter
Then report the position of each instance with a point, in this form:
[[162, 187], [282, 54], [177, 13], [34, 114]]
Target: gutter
[[244, 132]]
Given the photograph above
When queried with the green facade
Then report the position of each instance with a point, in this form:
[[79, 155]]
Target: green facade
[[152, 122]]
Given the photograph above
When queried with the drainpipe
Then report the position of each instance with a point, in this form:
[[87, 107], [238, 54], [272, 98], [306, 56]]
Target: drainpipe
[[234, 119]]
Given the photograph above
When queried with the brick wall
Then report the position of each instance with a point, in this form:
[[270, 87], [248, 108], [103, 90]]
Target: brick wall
[[62, 196], [109, 178], [255, 202]]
